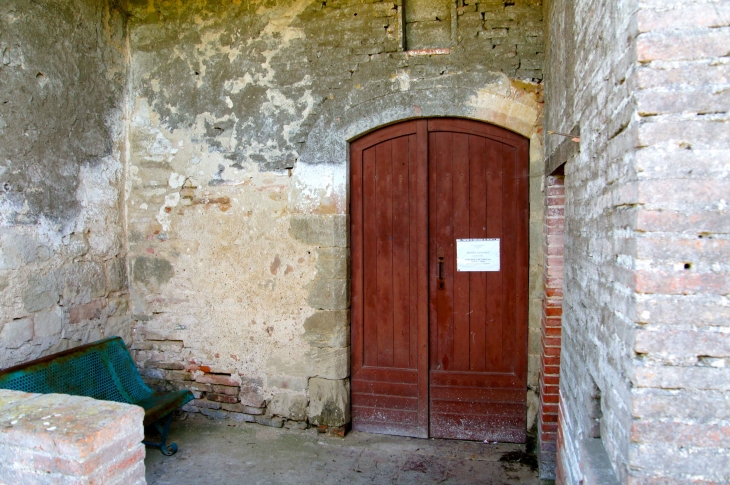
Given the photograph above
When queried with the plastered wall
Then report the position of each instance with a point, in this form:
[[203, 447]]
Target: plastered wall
[[63, 77], [237, 193]]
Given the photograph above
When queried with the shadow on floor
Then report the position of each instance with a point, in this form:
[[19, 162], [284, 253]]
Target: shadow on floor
[[222, 452]]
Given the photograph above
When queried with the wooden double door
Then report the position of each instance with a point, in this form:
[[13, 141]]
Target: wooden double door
[[438, 351]]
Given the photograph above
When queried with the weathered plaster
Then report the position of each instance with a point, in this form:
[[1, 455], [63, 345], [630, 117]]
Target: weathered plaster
[[238, 178], [63, 77]]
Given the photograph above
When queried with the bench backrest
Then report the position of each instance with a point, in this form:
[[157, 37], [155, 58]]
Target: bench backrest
[[102, 370]]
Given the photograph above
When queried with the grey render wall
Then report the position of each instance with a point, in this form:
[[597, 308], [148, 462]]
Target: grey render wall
[[237, 205], [646, 279], [63, 78]]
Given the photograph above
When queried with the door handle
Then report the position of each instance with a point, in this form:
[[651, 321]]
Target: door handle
[[441, 273]]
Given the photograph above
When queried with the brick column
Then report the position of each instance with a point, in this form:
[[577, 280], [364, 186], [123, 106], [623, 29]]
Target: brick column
[[552, 309], [60, 439]]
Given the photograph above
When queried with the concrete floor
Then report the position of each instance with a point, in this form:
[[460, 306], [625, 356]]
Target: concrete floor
[[222, 452]]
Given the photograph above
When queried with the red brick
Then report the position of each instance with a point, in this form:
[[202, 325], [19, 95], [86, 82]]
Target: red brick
[[683, 17], [220, 379], [551, 447], [551, 292], [549, 418], [556, 212], [677, 45], [550, 353], [550, 408], [222, 398], [688, 282], [556, 200], [704, 435], [555, 190], [228, 390], [551, 342], [551, 379], [554, 311]]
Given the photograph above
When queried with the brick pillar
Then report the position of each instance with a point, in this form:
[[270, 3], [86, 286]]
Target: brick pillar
[[552, 309], [50, 439]]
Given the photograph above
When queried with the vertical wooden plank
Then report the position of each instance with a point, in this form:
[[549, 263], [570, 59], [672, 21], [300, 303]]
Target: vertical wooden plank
[[509, 277], [477, 230], [356, 258], [494, 279], [422, 215], [370, 331], [522, 217], [460, 157], [384, 241], [401, 246], [440, 145], [413, 243]]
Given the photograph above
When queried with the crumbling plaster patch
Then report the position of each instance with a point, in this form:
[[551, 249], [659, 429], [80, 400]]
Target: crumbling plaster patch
[[62, 271]]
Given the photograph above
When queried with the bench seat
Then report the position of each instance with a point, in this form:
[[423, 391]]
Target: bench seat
[[101, 370]]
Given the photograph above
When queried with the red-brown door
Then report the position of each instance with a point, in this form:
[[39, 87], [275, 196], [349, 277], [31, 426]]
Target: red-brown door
[[436, 351]]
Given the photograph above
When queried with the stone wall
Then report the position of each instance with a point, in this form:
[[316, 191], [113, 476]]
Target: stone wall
[[63, 78], [57, 438], [644, 357], [238, 180]]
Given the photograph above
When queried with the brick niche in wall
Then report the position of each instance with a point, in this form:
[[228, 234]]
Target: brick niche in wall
[[552, 309]]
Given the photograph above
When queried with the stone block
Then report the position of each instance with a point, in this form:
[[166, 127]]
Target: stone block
[[189, 408], [48, 323], [245, 418], [289, 382], [119, 327], [329, 402], [89, 311], [224, 398], [228, 390], [328, 329], [202, 403], [251, 397], [328, 363], [333, 263], [16, 332], [242, 408], [273, 421], [290, 406], [321, 230], [329, 294], [116, 274], [41, 293], [214, 413]]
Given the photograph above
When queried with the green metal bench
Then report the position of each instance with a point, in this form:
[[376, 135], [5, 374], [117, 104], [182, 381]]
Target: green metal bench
[[102, 370]]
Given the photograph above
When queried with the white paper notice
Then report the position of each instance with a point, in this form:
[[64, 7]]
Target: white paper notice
[[477, 254]]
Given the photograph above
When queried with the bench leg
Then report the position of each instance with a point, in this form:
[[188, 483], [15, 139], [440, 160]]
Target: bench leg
[[163, 429]]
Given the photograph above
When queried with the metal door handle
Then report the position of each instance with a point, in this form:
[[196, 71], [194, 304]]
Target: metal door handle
[[441, 273]]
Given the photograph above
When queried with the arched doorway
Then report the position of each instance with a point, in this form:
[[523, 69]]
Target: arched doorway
[[439, 346]]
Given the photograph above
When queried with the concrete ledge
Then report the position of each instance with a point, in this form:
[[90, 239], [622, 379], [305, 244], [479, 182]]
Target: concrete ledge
[[596, 466], [56, 438]]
